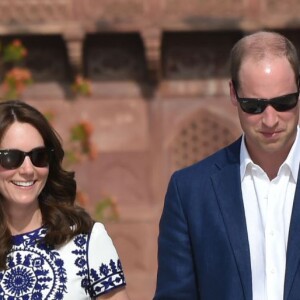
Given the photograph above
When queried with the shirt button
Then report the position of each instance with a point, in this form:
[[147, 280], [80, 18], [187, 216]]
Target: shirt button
[[272, 271], [271, 232]]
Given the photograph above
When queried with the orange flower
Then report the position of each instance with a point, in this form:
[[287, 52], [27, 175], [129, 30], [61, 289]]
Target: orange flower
[[16, 43], [82, 86], [24, 52], [79, 80], [93, 152], [17, 79], [87, 127]]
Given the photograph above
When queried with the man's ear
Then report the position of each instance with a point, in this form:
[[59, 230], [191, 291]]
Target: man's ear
[[232, 94]]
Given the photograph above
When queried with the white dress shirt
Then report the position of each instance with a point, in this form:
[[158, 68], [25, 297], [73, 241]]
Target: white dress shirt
[[268, 206]]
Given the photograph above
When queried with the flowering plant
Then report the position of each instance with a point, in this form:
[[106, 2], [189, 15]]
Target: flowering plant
[[17, 78], [14, 52], [105, 209], [81, 147], [15, 82], [81, 144], [82, 86]]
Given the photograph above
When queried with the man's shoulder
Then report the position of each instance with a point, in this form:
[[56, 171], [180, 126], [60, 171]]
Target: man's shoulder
[[226, 155]]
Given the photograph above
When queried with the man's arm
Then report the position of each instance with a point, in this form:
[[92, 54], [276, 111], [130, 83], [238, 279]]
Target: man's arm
[[176, 274]]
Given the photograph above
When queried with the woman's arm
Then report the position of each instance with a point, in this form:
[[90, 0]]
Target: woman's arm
[[117, 294]]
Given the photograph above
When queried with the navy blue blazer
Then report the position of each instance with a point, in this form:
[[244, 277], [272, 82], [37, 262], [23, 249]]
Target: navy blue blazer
[[203, 248]]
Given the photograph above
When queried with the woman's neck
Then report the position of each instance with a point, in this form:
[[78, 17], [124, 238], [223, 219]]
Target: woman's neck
[[24, 220]]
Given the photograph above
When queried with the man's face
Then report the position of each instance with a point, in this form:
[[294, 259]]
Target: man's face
[[270, 132]]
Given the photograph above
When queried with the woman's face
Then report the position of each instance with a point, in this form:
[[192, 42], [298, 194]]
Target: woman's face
[[21, 187]]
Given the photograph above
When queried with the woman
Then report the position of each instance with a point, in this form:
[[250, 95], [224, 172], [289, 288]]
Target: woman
[[50, 248]]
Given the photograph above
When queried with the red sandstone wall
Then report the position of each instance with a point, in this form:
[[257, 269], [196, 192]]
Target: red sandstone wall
[[154, 111]]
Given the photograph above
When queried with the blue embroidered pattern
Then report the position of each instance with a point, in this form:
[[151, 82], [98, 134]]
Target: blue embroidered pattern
[[108, 276], [36, 271], [33, 272], [97, 281]]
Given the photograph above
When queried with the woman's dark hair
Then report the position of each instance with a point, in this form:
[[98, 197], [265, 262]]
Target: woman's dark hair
[[61, 216]]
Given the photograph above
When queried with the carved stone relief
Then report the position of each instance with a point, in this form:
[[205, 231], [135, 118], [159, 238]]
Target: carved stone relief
[[197, 55], [14, 12], [115, 57], [198, 7], [199, 136], [118, 9], [47, 59], [281, 7]]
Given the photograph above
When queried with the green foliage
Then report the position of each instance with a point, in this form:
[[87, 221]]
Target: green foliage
[[106, 209], [16, 78], [14, 52]]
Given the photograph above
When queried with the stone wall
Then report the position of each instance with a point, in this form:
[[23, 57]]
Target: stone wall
[[160, 100]]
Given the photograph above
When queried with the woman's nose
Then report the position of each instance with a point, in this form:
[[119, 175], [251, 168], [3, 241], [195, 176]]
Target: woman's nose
[[27, 166]]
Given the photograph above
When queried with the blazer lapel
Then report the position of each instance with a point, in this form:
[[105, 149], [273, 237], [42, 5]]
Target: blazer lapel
[[227, 184], [293, 249]]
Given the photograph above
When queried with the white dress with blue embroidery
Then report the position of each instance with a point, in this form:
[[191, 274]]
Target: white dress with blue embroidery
[[86, 267]]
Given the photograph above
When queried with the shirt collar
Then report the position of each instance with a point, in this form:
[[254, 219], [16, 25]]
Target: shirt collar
[[292, 160], [244, 158]]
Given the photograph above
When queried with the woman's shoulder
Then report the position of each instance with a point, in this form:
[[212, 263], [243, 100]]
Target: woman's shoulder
[[99, 233], [98, 227]]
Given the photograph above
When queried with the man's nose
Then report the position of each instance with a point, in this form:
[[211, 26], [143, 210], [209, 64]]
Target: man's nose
[[270, 116]]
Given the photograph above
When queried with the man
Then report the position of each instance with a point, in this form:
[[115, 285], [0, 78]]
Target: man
[[230, 227]]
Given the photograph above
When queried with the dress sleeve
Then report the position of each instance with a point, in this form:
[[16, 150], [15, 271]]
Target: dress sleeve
[[105, 269]]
